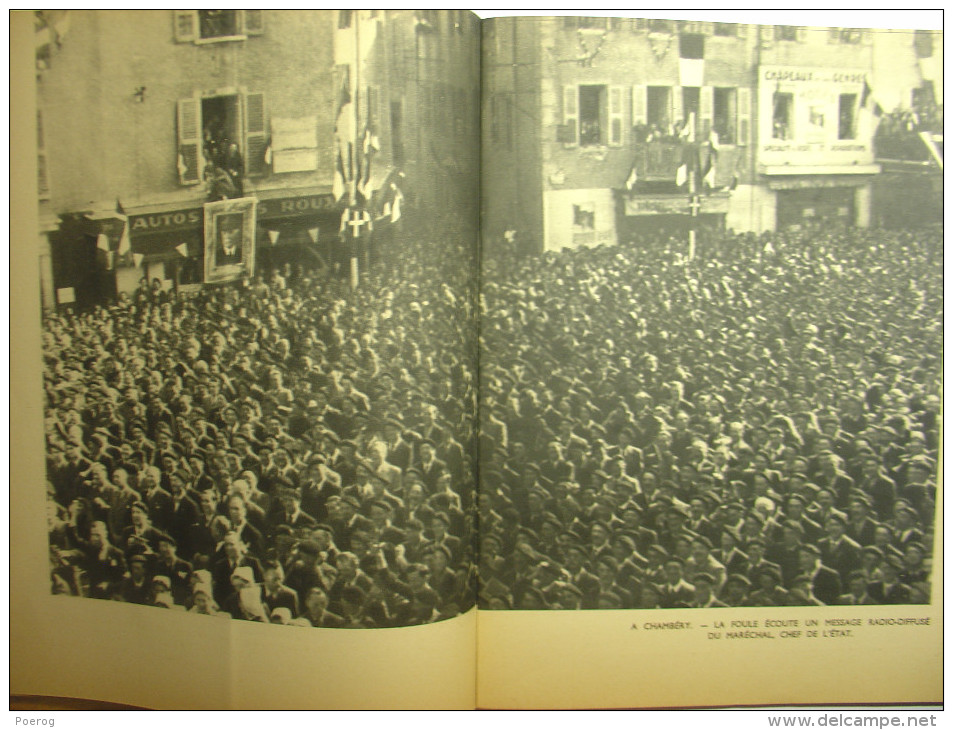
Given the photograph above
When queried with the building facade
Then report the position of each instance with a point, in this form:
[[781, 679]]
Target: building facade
[[775, 122], [138, 112]]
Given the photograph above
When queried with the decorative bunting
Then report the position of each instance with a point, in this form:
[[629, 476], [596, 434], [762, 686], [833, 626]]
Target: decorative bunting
[[183, 249], [273, 237], [137, 259], [313, 232], [102, 242]]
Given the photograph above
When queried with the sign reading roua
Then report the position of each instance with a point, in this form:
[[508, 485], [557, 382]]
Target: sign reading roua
[[814, 116]]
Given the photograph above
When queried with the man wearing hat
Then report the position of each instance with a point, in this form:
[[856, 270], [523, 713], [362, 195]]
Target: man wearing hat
[[429, 465], [890, 589], [399, 452], [825, 583], [305, 572], [704, 596], [838, 550], [233, 556], [675, 591], [769, 592], [136, 587], [171, 566], [140, 536], [735, 592], [274, 593], [857, 594]]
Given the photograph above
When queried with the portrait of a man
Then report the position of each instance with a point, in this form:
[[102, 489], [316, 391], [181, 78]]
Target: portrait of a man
[[228, 249], [229, 239]]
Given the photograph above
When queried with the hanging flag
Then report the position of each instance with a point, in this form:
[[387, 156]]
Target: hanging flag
[[708, 173], [124, 243], [395, 206], [313, 233], [708, 179], [137, 259], [273, 237], [268, 155], [102, 242], [681, 175], [183, 249], [339, 184], [632, 179], [868, 102]]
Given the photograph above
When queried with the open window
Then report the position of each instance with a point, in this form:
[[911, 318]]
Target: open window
[[783, 116], [658, 108], [584, 217], [227, 131], [847, 116], [725, 114], [210, 26], [593, 115]]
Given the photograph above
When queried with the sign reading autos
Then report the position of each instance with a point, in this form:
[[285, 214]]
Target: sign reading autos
[[814, 117]]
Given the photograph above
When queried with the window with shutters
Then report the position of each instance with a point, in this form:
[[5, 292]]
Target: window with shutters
[[223, 132], [210, 26]]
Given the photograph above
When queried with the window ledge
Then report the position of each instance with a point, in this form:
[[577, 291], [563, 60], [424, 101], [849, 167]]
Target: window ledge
[[220, 39]]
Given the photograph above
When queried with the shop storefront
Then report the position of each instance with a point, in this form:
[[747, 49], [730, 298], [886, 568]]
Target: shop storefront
[[169, 245], [646, 217]]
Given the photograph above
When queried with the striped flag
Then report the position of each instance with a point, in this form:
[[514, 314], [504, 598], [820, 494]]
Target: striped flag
[[124, 244]]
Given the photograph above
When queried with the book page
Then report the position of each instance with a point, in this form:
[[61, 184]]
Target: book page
[[711, 376], [244, 308]]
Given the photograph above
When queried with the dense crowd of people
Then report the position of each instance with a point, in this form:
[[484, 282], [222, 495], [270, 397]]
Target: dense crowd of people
[[757, 426], [898, 132], [285, 450]]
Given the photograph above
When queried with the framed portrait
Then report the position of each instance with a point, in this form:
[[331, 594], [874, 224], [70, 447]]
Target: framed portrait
[[230, 239]]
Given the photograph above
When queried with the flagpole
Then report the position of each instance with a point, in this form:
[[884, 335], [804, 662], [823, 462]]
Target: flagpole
[[692, 192], [355, 266]]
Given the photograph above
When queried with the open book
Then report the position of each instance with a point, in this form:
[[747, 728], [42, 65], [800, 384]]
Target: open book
[[402, 359]]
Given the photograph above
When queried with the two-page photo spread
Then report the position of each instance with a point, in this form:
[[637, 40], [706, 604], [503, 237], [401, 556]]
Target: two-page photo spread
[[458, 362]]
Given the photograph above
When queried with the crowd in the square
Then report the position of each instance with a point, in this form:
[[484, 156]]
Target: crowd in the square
[[757, 426], [286, 450]]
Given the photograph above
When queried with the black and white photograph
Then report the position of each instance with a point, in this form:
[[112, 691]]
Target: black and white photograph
[[451, 359], [258, 289], [711, 314]]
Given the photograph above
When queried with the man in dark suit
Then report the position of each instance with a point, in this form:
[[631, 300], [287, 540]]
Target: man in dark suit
[[890, 590], [825, 583], [429, 465], [675, 592], [838, 550], [274, 593], [228, 247]]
